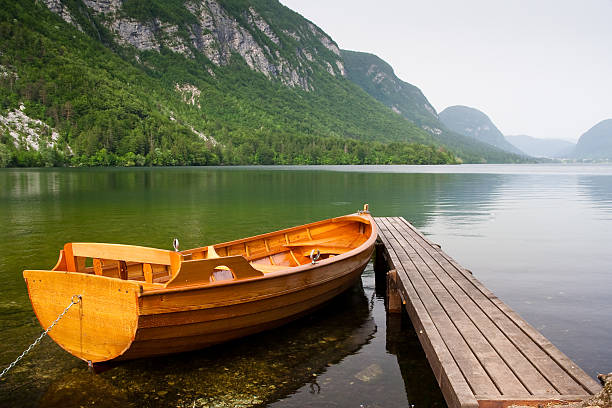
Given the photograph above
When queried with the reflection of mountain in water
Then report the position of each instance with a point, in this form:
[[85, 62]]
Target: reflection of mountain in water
[[108, 205], [599, 189], [466, 198], [251, 371]]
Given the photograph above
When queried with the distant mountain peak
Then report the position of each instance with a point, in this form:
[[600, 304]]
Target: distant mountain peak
[[476, 124], [596, 143]]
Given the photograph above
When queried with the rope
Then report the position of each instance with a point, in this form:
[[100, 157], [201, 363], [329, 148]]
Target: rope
[[75, 299]]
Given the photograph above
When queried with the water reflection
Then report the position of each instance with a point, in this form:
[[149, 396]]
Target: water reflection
[[389, 371], [421, 387], [599, 190], [542, 246], [248, 372], [539, 237]]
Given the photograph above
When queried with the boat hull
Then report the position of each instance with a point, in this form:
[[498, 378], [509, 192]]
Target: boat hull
[[185, 330]]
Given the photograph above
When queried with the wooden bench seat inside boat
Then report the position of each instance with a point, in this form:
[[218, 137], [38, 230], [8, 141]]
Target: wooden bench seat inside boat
[[126, 262]]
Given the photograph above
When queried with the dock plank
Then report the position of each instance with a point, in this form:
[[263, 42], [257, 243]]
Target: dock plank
[[481, 351], [488, 322]]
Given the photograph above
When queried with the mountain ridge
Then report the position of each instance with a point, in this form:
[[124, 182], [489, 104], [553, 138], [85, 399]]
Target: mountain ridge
[[538, 147], [108, 99], [378, 79]]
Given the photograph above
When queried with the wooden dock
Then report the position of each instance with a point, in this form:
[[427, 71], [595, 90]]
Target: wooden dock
[[482, 353]]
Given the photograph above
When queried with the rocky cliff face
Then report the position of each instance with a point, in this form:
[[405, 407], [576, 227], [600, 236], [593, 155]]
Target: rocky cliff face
[[289, 54], [61, 10]]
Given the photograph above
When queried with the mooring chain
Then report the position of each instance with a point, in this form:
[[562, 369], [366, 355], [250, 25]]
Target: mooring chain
[[75, 299]]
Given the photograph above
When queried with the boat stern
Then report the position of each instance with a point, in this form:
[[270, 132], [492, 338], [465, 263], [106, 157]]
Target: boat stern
[[101, 327]]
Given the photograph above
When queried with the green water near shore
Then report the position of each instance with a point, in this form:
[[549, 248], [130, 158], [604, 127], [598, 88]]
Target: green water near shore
[[538, 236]]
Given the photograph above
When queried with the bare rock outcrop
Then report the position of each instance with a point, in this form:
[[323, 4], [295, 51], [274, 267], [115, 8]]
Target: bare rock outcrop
[[218, 35], [28, 133], [133, 32], [61, 10], [104, 6], [255, 19]]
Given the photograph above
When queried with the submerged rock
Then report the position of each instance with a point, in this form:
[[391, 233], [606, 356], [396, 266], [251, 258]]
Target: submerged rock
[[369, 373]]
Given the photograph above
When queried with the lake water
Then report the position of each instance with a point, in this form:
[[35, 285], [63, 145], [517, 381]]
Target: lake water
[[539, 236]]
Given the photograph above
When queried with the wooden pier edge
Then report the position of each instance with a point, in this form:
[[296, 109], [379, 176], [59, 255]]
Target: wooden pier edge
[[447, 304], [455, 389], [570, 367]]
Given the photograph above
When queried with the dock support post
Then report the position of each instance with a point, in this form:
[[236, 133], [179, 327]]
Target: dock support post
[[394, 300], [381, 266]]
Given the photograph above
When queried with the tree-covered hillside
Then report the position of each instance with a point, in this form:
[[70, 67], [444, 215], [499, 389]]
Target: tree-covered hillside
[[147, 83]]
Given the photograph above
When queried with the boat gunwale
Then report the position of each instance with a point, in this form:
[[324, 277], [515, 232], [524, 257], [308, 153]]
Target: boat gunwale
[[341, 218], [270, 275], [151, 289]]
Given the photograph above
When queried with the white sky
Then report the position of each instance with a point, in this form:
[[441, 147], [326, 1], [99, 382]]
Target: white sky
[[536, 67]]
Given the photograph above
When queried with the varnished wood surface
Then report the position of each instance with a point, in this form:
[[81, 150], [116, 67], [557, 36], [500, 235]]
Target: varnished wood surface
[[139, 302], [96, 327], [482, 353]]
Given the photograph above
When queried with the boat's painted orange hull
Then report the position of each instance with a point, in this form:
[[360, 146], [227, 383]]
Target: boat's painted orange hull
[[124, 318]]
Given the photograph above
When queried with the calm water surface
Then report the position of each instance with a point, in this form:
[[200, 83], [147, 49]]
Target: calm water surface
[[539, 236]]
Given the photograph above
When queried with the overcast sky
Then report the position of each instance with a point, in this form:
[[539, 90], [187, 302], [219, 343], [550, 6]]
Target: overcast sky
[[537, 67]]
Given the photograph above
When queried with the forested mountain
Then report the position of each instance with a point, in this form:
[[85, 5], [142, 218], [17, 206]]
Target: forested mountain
[[596, 143], [197, 82], [474, 123], [378, 79], [168, 82], [536, 147]]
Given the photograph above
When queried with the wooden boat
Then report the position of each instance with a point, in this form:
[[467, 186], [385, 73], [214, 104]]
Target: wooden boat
[[139, 302]]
